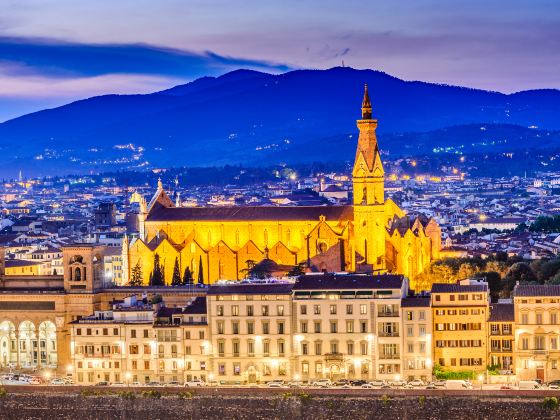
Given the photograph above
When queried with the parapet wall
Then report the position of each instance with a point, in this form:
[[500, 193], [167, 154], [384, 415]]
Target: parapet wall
[[291, 405]]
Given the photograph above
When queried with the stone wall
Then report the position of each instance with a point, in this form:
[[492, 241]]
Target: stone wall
[[291, 405]]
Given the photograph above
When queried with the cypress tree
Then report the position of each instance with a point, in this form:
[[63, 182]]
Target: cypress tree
[[200, 272], [157, 277], [187, 276], [176, 279]]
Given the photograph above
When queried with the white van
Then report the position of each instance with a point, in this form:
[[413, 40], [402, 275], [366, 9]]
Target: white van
[[457, 384], [529, 385]]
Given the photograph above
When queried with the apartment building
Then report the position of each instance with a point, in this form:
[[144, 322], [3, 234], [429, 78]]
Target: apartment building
[[114, 345], [348, 326], [250, 327], [181, 338], [501, 337], [137, 342], [459, 315], [537, 332], [416, 316]]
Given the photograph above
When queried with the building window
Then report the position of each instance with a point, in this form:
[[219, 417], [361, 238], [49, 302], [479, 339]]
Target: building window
[[350, 326], [304, 348], [318, 348], [333, 309], [317, 327], [409, 316], [317, 309], [264, 310], [250, 310], [334, 327], [236, 369], [235, 310], [363, 309], [349, 309], [250, 327], [303, 309], [265, 327], [220, 310], [303, 327], [350, 348], [524, 318], [280, 310]]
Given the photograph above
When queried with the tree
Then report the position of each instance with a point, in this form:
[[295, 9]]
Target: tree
[[176, 279], [200, 271], [188, 276], [521, 272], [494, 285], [136, 275], [157, 276], [298, 270]]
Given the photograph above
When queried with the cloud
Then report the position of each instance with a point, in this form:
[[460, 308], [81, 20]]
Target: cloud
[[59, 58]]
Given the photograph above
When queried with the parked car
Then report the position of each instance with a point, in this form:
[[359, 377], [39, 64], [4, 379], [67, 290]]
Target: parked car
[[342, 382], [213, 383], [295, 384], [274, 384], [322, 383], [457, 384], [529, 385], [440, 383], [367, 386], [506, 387], [397, 383], [118, 384], [35, 381], [358, 382], [416, 383], [194, 383], [102, 383], [153, 384], [378, 383], [173, 383]]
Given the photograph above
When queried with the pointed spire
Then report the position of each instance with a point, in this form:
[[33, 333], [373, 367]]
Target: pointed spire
[[159, 184], [366, 105]]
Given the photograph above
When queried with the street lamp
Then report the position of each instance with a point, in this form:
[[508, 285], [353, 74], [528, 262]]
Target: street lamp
[[481, 379], [127, 376]]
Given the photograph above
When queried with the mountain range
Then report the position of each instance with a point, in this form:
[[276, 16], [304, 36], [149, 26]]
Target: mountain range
[[255, 118]]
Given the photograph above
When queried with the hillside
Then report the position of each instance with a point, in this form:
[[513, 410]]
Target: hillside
[[258, 118]]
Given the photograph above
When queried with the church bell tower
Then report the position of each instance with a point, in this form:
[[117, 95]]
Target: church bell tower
[[368, 180]]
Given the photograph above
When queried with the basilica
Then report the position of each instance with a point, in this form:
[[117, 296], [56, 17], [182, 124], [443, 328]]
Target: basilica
[[373, 235]]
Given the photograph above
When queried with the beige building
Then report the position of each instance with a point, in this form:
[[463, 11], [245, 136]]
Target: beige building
[[416, 316], [459, 314], [137, 342], [251, 332], [348, 326], [537, 332], [501, 329]]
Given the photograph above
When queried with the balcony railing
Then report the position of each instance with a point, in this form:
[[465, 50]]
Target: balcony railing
[[389, 356], [387, 314], [388, 334], [334, 356]]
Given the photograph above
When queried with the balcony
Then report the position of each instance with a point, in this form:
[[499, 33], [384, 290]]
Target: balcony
[[388, 334], [388, 314], [390, 356], [335, 357]]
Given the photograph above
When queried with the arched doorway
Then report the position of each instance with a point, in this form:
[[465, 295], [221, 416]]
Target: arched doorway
[[28, 349], [252, 375], [334, 372], [47, 343], [7, 343]]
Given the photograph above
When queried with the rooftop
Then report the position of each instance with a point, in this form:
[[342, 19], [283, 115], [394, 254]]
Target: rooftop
[[525, 290], [333, 281], [501, 312], [458, 288]]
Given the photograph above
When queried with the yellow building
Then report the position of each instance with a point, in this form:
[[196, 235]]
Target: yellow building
[[460, 313], [537, 332], [372, 235]]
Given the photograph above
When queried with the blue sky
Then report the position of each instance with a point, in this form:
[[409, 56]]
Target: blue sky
[[55, 51]]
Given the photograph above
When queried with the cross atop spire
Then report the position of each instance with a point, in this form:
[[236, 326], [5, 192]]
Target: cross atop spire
[[366, 105], [159, 184]]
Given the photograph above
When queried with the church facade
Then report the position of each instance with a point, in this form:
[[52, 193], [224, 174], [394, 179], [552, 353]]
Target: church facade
[[371, 235]]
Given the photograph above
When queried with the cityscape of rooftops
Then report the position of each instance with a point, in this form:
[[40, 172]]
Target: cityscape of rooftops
[[242, 209]]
